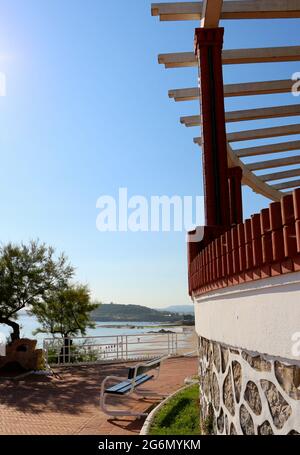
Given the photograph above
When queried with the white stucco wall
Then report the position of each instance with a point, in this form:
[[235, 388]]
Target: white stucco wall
[[260, 316]]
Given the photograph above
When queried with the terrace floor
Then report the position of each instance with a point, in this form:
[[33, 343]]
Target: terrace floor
[[69, 403]]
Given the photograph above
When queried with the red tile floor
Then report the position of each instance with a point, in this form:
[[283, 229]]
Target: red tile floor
[[69, 403]]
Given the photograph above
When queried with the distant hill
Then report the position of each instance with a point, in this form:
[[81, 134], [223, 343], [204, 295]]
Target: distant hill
[[114, 312], [182, 309]]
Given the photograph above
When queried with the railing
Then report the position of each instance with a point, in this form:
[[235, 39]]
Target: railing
[[101, 349], [266, 245]]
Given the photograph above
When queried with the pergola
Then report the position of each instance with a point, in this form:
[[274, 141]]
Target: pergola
[[224, 165]]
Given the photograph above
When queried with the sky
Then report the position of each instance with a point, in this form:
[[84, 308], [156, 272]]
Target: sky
[[87, 113]]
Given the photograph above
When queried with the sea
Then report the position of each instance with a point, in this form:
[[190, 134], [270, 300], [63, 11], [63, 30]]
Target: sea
[[29, 323]]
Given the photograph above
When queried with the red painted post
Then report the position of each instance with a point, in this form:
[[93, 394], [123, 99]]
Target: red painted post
[[249, 253], [201, 269], [296, 201], [289, 233], [208, 49], [256, 246], [266, 243], [214, 261], [206, 265], [229, 257], [235, 254], [219, 260], [242, 252], [224, 258], [209, 252], [277, 238]]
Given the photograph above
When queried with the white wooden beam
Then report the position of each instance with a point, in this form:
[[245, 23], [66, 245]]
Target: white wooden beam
[[268, 149], [288, 184], [252, 180], [259, 133], [245, 9], [211, 13], [231, 90], [280, 175], [235, 56], [248, 114], [289, 161], [263, 133]]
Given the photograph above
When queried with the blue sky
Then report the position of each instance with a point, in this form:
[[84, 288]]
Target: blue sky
[[87, 112]]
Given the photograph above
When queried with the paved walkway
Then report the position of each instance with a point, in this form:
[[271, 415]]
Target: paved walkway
[[70, 405]]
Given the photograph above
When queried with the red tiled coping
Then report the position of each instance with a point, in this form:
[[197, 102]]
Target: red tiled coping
[[266, 245]]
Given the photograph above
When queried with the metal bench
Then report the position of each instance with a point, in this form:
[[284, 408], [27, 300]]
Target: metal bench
[[137, 376]]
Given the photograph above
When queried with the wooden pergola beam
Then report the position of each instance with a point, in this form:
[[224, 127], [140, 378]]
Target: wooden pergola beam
[[280, 175], [232, 90], [285, 185], [264, 133], [248, 114], [245, 9], [259, 133], [268, 149], [289, 161], [235, 56], [252, 180], [211, 13]]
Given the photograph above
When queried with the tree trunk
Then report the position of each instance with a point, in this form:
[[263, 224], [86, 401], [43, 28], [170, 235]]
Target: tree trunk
[[14, 325], [65, 352]]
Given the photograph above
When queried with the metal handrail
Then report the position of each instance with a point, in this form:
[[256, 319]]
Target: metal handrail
[[97, 349]]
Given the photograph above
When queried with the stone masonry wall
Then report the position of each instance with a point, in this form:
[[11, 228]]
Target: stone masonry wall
[[247, 393]]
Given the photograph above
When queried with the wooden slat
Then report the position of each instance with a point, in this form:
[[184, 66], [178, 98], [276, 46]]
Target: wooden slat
[[280, 175], [245, 9], [262, 133], [289, 161], [191, 120], [231, 90], [267, 149], [249, 114], [235, 56], [185, 94], [211, 13], [178, 60], [285, 185], [259, 133], [252, 180], [261, 55]]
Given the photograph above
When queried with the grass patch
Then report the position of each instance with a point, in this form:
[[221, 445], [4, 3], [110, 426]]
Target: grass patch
[[180, 416]]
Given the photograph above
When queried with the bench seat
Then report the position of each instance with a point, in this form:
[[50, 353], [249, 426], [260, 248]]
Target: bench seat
[[124, 387]]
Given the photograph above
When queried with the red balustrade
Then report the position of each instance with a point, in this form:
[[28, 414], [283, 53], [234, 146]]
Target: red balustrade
[[266, 245]]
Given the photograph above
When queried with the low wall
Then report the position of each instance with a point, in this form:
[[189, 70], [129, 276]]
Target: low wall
[[249, 356], [248, 393]]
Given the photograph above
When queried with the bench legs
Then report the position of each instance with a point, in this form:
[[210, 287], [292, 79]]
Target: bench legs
[[149, 394], [116, 412]]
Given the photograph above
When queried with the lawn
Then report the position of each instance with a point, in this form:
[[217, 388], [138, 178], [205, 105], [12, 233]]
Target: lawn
[[180, 416]]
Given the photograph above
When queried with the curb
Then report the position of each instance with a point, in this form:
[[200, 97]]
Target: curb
[[148, 422]]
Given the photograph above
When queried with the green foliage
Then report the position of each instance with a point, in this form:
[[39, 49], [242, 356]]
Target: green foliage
[[65, 311], [180, 416], [77, 354], [138, 313], [28, 275]]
